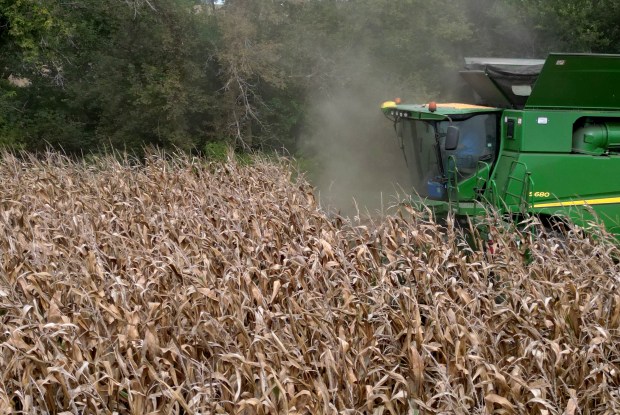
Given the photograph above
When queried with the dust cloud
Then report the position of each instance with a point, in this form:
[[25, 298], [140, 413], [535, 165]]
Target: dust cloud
[[357, 163], [358, 166]]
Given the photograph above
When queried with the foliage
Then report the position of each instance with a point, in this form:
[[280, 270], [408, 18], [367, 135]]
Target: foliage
[[578, 25], [222, 152], [125, 75], [181, 73], [147, 89], [216, 151]]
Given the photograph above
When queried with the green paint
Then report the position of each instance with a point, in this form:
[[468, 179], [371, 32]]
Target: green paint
[[575, 81]]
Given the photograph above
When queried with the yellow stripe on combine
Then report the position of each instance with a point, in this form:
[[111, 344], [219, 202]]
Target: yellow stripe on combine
[[603, 201]]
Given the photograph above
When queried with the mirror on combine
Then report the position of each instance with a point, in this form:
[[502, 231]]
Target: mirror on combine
[[452, 138]]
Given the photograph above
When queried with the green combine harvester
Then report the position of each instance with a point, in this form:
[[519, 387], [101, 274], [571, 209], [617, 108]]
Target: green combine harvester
[[543, 139]]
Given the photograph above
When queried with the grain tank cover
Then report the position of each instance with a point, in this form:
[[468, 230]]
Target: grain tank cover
[[583, 81], [504, 83]]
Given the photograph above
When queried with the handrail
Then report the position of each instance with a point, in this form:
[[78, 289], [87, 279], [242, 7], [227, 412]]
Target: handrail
[[452, 185], [523, 198], [481, 182]]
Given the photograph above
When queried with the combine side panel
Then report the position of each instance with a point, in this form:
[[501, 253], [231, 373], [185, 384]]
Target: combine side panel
[[575, 81]]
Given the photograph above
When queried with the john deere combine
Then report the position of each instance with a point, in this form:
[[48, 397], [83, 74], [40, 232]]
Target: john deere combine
[[543, 139]]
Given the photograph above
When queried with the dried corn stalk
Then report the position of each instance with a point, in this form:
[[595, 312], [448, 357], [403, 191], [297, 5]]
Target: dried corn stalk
[[175, 286]]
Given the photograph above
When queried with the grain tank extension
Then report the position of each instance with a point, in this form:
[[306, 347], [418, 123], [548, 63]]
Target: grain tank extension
[[543, 138]]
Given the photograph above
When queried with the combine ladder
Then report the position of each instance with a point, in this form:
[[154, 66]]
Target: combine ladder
[[522, 181], [486, 188]]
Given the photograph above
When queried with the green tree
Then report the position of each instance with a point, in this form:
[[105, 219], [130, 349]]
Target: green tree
[[101, 73], [576, 25], [253, 72], [147, 77], [181, 73], [29, 37]]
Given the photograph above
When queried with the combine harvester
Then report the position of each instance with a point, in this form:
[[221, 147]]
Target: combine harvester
[[543, 140]]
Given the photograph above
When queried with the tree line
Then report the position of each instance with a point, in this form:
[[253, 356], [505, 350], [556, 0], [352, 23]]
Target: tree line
[[184, 74]]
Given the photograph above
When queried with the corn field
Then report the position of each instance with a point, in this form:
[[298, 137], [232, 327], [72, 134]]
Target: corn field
[[174, 286]]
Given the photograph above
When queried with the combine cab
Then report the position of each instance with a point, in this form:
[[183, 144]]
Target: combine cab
[[543, 139]]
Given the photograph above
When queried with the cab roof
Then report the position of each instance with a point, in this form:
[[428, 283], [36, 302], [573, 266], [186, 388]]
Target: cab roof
[[443, 109]]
